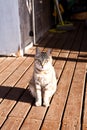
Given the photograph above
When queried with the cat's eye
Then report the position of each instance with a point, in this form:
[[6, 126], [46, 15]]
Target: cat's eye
[[39, 62]]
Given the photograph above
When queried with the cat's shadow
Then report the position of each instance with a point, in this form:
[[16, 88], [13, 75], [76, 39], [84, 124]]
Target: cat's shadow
[[16, 94]]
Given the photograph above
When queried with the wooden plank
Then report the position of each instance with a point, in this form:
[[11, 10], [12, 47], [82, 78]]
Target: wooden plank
[[53, 125], [12, 123], [22, 66], [83, 58], [15, 93], [2, 59], [23, 106], [72, 115], [58, 47], [6, 63], [25, 99], [84, 125], [10, 69], [24, 103], [4, 88], [12, 80], [34, 116], [31, 123], [19, 72]]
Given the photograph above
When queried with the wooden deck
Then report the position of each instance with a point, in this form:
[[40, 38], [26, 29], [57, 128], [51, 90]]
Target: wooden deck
[[68, 107]]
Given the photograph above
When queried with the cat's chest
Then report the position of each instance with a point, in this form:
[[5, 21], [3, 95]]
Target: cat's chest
[[43, 78]]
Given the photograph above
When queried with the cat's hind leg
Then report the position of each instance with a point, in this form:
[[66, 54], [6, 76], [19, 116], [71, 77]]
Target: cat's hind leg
[[46, 98], [38, 101], [48, 93]]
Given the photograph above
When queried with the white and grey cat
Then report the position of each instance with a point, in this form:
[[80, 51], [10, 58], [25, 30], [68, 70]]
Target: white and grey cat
[[43, 83]]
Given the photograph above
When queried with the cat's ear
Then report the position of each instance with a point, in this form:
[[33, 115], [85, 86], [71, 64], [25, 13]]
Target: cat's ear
[[49, 52], [37, 51]]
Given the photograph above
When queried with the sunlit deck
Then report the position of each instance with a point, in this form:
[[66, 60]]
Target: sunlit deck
[[68, 107]]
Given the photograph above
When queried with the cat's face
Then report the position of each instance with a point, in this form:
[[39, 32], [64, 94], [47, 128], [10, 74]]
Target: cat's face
[[42, 60]]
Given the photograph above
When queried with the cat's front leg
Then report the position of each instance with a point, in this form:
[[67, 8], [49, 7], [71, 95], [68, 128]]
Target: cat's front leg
[[46, 98], [38, 101]]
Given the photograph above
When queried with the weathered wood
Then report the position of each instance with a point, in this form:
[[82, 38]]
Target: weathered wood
[[2, 59], [15, 93], [12, 123], [83, 59], [84, 125], [6, 63], [25, 101], [73, 112], [72, 115], [10, 69], [5, 74]]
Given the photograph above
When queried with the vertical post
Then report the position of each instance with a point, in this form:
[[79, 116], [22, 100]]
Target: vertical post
[[33, 19]]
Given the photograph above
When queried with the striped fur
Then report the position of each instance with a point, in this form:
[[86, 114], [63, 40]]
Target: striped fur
[[43, 83]]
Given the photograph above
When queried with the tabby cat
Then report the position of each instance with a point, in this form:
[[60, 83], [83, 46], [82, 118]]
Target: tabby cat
[[43, 83]]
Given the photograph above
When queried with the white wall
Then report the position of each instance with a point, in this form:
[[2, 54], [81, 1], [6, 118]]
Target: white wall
[[10, 38]]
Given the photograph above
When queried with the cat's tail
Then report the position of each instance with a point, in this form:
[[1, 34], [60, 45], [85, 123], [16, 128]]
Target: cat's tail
[[32, 88]]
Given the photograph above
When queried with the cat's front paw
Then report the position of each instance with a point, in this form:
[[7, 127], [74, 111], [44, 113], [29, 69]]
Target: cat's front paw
[[46, 104], [37, 103]]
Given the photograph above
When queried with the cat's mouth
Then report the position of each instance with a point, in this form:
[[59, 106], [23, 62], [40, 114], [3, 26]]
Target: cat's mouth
[[42, 68]]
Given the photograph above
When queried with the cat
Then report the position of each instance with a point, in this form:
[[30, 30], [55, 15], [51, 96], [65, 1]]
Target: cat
[[44, 82]]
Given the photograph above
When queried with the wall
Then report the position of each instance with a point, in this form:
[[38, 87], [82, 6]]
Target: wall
[[15, 23], [14, 26], [10, 37]]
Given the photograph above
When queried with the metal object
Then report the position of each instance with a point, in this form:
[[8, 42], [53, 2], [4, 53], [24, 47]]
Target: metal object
[[30, 7]]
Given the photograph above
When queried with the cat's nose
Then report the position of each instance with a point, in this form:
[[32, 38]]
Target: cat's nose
[[42, 65]]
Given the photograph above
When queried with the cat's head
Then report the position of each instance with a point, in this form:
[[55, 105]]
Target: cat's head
[[43, 60]]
